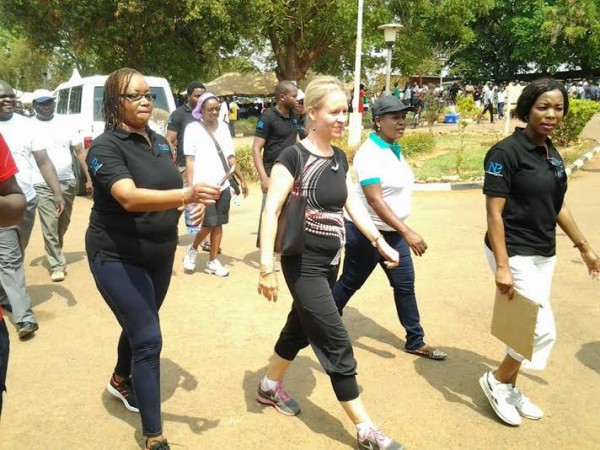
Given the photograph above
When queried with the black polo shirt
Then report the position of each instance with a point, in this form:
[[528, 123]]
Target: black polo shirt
[[142, 238], [279, 132], [517, 169], [178, 120]]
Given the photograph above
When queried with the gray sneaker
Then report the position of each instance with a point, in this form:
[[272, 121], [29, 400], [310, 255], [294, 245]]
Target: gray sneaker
[[279, 399], [373, 439]]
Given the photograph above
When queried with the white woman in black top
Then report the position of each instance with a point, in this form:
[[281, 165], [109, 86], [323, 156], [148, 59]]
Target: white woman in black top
[[314, 318], [525, 184], [132, 237]]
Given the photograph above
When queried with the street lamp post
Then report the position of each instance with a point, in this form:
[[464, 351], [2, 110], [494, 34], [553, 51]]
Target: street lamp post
[[443, 60], [356, 117], [389, 36]]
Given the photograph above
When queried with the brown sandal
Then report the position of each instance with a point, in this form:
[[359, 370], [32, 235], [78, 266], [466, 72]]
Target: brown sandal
[[428, 352]]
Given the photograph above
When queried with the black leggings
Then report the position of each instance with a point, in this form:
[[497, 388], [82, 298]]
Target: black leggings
[[135, 294], [315, 320], [4, 350]]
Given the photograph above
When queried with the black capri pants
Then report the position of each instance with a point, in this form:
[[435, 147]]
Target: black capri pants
[[314, 319]]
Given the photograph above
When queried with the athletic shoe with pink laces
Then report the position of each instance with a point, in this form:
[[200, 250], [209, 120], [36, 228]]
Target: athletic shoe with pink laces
[[279, 399], [371, 438]]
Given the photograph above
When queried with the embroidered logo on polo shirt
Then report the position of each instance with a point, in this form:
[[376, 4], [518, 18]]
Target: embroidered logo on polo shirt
[[164, 148], [95, 165], [494, 169], [260, 124]]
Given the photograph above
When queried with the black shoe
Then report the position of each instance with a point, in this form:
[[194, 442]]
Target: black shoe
[[159, 445], [26, 330]]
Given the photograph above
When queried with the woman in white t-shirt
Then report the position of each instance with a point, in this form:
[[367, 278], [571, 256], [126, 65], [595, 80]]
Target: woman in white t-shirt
[[208, 150], [385, 187]]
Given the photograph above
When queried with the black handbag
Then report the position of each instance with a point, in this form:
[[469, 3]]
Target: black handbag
[[233, 182], [291, 231]]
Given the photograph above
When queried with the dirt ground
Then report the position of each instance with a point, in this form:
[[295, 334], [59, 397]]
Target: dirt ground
[[218, 334]]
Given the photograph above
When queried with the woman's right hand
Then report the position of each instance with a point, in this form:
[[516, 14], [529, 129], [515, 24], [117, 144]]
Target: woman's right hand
[[504, 281], [203, 193], [267, 285], [391, 255]]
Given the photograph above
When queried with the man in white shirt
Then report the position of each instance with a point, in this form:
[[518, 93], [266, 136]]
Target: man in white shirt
[[60, 139], [28, 152]]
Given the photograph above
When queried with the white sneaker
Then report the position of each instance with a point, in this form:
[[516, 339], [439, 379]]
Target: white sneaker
[[57, 275], [215, 267], [189, 259], [525, 407], [501, 398]]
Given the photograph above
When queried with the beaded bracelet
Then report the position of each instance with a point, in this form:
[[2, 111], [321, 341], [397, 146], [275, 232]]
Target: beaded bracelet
[[580, 244]]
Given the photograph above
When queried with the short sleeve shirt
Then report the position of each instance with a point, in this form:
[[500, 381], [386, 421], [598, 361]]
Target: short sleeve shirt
[[378, 162], [208, 166], [17, 132], [278, 132], [57, 136], [8, 168], [518, 170], [178, 121], [324, 185], [141, 238]]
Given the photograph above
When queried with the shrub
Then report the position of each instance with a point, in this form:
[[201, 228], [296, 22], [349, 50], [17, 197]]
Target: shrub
[[243, 158], [434, 108], [246, 126], [465, 106], [414, 143], [580, 113]]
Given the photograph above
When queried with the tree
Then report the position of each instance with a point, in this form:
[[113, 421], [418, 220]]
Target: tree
[[173, 38]]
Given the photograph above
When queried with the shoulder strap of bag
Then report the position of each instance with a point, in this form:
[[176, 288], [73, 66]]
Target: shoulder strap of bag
[[298, 180], [218, 147]]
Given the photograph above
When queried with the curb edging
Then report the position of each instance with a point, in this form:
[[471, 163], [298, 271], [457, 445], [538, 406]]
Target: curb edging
[[466, 185]]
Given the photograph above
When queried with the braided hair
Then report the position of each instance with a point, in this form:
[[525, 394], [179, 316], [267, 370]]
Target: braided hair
[[115, 85]]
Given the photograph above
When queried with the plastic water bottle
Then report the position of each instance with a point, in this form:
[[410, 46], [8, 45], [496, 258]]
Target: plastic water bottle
[[189, 224]]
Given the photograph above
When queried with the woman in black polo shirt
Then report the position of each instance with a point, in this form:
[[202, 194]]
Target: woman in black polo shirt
[[525, 184], [132, 237]]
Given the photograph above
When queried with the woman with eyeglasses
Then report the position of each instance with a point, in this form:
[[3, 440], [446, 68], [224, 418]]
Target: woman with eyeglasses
[[132, 237], [525, 185], [385, 183]]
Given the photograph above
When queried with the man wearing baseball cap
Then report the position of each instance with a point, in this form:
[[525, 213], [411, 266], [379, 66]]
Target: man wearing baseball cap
[[61, 140]]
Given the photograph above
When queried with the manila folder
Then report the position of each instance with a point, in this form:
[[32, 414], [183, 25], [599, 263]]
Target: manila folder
[[514, 322]]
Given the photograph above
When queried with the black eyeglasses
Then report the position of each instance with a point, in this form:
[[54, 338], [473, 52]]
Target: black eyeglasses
[[138, 97], [560, 175]]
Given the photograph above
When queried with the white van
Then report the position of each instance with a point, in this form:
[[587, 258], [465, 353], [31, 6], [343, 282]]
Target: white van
[[81, 100]]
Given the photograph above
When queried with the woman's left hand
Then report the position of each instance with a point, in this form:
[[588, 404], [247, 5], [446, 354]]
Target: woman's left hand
[[391, 255], [244, 188], [197, 214], [592, 261]]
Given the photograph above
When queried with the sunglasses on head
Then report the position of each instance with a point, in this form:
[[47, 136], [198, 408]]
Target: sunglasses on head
[[560, 175]]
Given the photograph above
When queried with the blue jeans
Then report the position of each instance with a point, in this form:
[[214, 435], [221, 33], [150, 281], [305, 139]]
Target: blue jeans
[[135, 294], [500, 110], [360, 260]]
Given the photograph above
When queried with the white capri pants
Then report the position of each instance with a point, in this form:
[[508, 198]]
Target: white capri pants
[[532, 277]]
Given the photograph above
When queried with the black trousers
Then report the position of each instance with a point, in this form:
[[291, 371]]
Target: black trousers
[[4, 347], [314, 319]]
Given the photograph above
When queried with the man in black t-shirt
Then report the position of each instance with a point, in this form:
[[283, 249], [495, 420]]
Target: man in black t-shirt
[[179, 119], [276, 129]]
